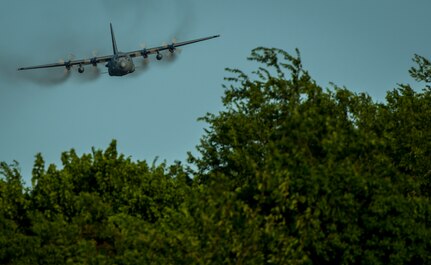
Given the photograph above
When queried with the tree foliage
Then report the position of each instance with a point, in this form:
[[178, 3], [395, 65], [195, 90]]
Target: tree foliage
[[288, 173]]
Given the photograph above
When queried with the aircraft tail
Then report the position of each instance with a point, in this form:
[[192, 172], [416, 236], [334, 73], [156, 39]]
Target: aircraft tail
[[114, 43]]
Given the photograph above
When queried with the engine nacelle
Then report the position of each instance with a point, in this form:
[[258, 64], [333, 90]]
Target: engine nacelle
[[67, 65], [159, 56], [171, 48], [81, 69], [144, 53], [93, 61]]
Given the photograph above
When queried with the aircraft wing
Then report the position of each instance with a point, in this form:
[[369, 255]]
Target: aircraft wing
[[100, 59], [171, 47], [70, 63]]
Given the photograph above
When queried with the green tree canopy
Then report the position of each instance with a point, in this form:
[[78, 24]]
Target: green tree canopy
[[288, 173], [337, 177]]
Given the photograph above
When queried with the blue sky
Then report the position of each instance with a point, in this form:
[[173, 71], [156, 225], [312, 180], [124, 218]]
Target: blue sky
[[366, 46]]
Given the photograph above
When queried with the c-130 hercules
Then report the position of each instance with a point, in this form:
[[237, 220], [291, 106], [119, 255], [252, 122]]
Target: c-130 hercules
[[119, 63]]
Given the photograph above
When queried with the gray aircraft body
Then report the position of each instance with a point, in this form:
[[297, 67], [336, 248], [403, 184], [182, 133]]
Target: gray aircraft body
[[119, 63]]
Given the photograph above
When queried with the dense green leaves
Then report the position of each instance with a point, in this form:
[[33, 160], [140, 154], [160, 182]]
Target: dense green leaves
[[338, 175], [288, 173]]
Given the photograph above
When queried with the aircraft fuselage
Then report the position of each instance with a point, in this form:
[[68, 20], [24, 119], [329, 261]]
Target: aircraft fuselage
[[120, 64]]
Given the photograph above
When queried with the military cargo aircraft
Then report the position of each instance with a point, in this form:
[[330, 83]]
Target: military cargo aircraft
[[119, 63]]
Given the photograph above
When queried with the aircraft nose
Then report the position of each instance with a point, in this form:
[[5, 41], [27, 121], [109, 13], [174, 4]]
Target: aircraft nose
[[123, 64]]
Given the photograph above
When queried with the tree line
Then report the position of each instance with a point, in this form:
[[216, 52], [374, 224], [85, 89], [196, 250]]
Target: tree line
[[287, 173]]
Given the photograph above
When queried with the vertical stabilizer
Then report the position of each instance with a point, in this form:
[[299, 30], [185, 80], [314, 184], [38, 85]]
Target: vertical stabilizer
[[114, 43]]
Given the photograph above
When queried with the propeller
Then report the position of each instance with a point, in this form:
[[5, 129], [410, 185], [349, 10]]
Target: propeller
[[144, 54], [95, 70], [67, 63], [144, 50], [177, 49], [172, 49], [93, 59], [70, 58]]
